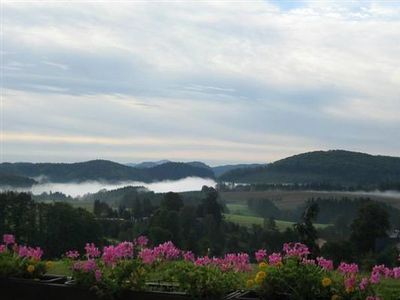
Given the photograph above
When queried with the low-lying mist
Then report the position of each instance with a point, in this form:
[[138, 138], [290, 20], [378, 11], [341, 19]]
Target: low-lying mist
[[79, 189]]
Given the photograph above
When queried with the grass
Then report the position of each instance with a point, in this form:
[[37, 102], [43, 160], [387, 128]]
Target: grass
[[248, 221], [239, 209], [59, 268]]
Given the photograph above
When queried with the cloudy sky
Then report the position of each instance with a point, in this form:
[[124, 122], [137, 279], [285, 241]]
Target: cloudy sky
[[217, 81]]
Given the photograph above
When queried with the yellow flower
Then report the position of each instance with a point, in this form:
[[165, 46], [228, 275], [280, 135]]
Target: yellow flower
[[262, 274], [336, 297], [49, 264], [260, 277], [279, 264], [250, 283], [349, 290], [262, 265], [326, 282], [30, 268]]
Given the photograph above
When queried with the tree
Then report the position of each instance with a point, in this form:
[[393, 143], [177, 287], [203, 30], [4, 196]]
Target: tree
[[371, 223], [210, 206], [172, 201], [306, 230], [137, 209]]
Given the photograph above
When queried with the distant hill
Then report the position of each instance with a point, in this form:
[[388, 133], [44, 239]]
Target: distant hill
[[103, 170], [220, 170], [147, 164], [334, 167], [9, 180], [176, 170]]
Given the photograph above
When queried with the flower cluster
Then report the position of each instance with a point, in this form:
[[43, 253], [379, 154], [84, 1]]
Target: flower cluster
[[72, 254], [238, 262], [92, 251], [296, 256], [112, 254], [165, 251], [260, 255], [21, 260], [296, 249], [29, 252], [325, 264], [346, 268]]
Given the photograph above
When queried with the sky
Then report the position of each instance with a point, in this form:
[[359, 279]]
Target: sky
[[215, 81]]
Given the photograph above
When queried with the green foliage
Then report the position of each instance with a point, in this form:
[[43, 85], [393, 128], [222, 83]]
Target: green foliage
[[12, 265], [172, 201], [371, 223], [205, 282], [294, 281], [306, 230], [56, 227]]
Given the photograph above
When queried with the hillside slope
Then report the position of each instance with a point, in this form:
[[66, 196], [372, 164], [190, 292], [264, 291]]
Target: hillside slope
[[334, 167], [220, 170]]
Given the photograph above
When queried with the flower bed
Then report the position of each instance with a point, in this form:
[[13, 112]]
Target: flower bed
[[134, 270]]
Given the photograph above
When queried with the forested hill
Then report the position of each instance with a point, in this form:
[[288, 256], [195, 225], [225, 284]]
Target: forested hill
[[102, 170], [333, 167]]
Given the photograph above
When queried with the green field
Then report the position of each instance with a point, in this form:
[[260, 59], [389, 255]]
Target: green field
[[292, 199], [240, 214], [248, 221]]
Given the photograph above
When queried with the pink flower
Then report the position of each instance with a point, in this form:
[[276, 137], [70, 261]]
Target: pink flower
[[89, 265], [295, 249], [3, 248], [147, 256], [92, 251], [308, 261], [166, 251], [350, 282], [8, 239], [33, 253], [188, 256], [97, 275], [346, 268], [142, 241], [238, 262], [275, 259], [375, 278], [325, 264], [364, 283], [381, 269], [260, 255], [124, 250], [72, 254], [396, 272], [203, 261]]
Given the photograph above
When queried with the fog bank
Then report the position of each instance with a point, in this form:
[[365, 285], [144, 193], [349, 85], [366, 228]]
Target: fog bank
[[79, 189]]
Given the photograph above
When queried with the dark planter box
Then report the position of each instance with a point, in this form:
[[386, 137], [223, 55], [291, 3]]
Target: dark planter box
[[57, 288], [244, 295]]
